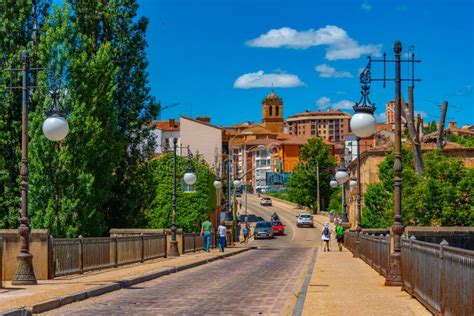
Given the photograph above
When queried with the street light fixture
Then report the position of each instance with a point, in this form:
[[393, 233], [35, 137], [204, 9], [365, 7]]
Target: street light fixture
[[333, 183], [55, 128], [190, 179], [341, 175], [363, 125], [218, 183], [353, 183]]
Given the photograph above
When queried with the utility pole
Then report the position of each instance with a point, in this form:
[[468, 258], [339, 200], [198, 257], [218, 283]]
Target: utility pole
[[318, 198]]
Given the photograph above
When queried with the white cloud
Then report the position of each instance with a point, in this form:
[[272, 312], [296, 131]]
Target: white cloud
[[261, 80], [326, 71], [365, 6], [325, 103], [381, 117], [340, 45]]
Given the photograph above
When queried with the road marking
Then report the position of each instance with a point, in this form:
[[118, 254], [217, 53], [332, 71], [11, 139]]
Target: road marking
[[298, 310]]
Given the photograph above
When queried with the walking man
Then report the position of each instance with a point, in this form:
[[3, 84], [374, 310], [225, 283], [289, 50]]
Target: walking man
[[206, 231], [221, 230], [246, 232], [340, 235]]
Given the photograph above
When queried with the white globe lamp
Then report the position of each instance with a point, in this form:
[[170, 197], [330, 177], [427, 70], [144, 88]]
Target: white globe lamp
[[236, 183], [217, 183], [341, 176], [353, 183], [189, 177], [55, 128], [333, 183], [363, 124]]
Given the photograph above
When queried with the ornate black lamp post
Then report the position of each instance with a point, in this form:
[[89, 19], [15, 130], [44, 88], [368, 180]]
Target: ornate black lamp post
[[341, 177], [394, 270], [54, 128], [363, 125], [190, 179]]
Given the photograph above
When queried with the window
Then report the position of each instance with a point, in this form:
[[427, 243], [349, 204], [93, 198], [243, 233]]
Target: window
[[270, 112], [277, 111], [187, 188]]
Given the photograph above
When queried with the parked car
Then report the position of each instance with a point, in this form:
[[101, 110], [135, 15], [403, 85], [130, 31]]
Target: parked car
[[278, 228], [304, 219], [263, 229], [266, 201]]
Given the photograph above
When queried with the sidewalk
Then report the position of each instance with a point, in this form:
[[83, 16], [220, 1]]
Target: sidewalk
[[60, 291], [341, 284]]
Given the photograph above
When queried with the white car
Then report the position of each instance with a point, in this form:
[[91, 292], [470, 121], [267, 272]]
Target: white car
[[304, 219]]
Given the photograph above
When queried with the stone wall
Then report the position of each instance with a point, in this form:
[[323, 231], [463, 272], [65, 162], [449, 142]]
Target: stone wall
[[39, 248]]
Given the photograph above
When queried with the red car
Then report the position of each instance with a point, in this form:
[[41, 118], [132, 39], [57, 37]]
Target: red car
[[278, 228]]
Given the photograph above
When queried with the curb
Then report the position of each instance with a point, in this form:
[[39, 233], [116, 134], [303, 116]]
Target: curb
[[104, 289]]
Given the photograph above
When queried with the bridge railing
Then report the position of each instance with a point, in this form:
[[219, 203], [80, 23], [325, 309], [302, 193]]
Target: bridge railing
[[375, 251], [193, 242], [79, 255], [350, 240], [439, 276]]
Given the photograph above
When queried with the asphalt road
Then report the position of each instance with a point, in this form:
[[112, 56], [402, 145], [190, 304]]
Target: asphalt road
[[263, 281], [295, 237]]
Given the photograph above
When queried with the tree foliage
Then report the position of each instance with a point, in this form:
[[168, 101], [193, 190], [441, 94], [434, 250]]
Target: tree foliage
[[443, 196], [95, 178], [192, 208], [303, 181]]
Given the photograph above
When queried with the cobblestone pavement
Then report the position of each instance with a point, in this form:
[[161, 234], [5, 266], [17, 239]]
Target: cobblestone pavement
[[257, 282]]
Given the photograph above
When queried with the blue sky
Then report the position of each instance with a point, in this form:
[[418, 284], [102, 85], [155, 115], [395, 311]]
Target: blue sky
[[220, 58]]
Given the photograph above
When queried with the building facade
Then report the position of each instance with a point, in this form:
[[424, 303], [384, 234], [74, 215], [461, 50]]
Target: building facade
[[272, 113], [165, 132], [331, 125]]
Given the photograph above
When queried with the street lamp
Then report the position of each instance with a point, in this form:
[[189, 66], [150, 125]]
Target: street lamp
[[352, 183], [341, 177], [190, 179], [333, 183], [218, 183], [363, 125], [55, 128]]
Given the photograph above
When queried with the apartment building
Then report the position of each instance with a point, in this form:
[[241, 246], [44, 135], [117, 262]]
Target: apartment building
[[330, 125]]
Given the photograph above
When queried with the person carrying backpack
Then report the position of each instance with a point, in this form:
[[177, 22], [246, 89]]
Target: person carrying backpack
[[326, 236], [340, 235], [246, 232]]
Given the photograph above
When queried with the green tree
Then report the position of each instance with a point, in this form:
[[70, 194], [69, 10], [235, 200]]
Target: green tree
[[378, 207], [335, 201], [192, 207], [20, 21], [303, 181], [466, 141], [71, 182]]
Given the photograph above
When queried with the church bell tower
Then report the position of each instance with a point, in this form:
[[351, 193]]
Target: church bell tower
[[272, 113]]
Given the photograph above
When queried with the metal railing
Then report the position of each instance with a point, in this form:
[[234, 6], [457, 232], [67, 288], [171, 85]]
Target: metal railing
[[350, 238], [193, 242], [375, 251], [439, 276], [79, 255]]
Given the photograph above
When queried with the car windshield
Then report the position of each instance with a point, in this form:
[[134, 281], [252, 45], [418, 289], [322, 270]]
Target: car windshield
[[263, 225], [266, 199], [305, 216], [277, 224]]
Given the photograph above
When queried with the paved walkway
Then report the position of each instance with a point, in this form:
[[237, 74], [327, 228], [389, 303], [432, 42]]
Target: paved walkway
[[12, 297], [341, 284]]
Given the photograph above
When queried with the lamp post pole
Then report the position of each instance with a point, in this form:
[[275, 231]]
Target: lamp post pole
[[394, 271], [174, 252], [25, 274], [318, 198], [359, 201]]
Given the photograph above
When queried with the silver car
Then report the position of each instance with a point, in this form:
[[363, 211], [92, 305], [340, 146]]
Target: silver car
[[263, 229], [304, 219]]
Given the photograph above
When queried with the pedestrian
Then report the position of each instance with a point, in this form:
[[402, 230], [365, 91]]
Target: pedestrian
[[221, 232], [206, 231], [336, 220], [240, 204], [340, 235], [246, 232], [326, 236]]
